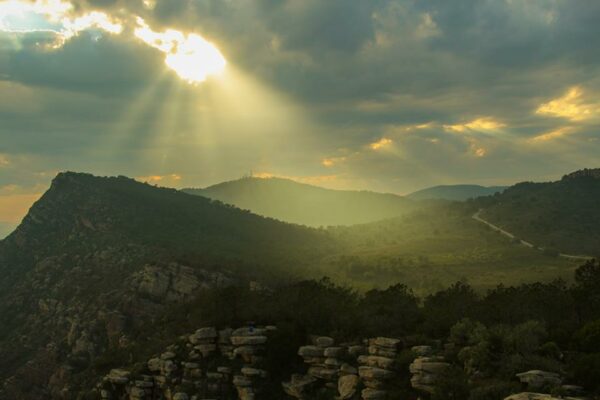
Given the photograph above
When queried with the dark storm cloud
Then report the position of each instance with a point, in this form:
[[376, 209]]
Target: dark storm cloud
[[361, 70], [103, 65]]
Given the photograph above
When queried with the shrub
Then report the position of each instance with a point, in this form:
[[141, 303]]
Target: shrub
[[586, 371], [588, 337], [452, 385]]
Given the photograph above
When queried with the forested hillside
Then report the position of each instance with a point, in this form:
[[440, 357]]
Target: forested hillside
[[562, 215]]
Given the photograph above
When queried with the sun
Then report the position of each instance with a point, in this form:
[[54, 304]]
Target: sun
[[196, 59], [191, 56]]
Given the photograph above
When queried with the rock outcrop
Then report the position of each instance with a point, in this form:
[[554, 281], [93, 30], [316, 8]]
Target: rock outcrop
[[426, 369], [536, 379], [209, 363], [538, 396], [354, 371]]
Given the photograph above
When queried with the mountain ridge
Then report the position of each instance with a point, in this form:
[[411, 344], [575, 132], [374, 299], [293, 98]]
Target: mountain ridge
[[305, 204], [459, 192]]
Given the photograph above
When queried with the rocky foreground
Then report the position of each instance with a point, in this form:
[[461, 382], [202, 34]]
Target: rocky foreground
[[229, 364]]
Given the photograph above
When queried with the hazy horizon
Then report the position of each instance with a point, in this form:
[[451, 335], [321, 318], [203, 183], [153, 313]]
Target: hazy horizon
[[389, 96], [14, 208]]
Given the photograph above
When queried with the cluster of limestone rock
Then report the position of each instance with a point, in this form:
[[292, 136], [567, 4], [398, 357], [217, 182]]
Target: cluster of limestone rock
[[229, 364], [426, 369], [208, 364], [536, 380], [355, 371]]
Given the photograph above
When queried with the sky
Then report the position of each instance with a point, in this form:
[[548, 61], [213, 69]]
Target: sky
[[384, 95]]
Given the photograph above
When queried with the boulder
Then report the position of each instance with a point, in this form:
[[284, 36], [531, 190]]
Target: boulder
[[245, 351], [333, 362], [536, 379], [167, 355], [310, 351], [531, 396], [347, 386], [299, 385], [377, 361], [426, 372], [169, 367], [374, 384], [323, 373], [375, 373], [254, 372], [386, 342], [155, 364], [248, 340], [373, 394], [118, 376], [172, 283], [382, 351], [324, 341], [334, 352], [203, 335], [422, 351], [426, 365], [181, 396]]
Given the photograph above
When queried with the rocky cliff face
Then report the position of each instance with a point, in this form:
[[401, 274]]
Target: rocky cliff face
[[97, 259]]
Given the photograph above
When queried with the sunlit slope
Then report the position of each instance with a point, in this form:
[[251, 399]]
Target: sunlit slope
[[434, 247], [304, 204], [455, 192], [562, 215]]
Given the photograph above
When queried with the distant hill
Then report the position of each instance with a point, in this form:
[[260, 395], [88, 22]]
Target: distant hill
[[562, 215], [455, 192], [304, 204]]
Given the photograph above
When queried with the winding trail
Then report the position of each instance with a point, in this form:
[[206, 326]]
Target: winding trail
[[496, 228]]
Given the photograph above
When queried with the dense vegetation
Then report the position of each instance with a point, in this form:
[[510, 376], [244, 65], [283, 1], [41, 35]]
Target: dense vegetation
[[304, 204], [489, 338], [562, 215]]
